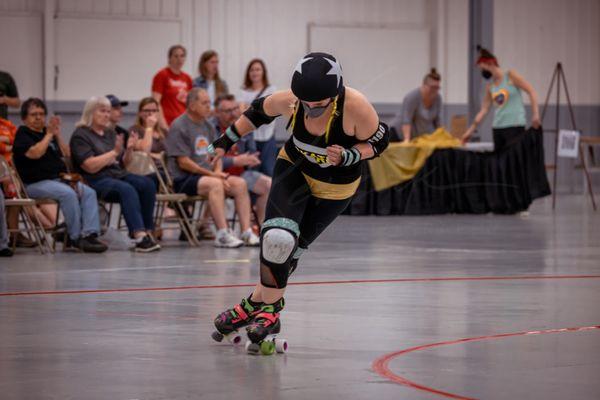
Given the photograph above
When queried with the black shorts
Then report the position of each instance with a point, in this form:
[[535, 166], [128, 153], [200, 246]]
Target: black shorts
[[187, 184]]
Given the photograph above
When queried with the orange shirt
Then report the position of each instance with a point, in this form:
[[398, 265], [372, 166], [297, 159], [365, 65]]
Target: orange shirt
[[8, 130]]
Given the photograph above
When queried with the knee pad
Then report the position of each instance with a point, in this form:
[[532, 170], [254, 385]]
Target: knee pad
[[279, 240]]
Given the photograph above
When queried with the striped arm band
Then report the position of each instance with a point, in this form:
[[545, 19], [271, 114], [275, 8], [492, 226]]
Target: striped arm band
[[350, 157]]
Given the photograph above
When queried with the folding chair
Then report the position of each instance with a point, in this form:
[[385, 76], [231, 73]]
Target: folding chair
[[143, 164], [32, 225]]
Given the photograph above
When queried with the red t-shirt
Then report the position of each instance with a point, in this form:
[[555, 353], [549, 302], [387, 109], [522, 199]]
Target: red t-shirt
[[174, 89]]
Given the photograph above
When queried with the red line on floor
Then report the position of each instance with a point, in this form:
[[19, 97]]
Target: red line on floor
[[306, 283], [381, 365]]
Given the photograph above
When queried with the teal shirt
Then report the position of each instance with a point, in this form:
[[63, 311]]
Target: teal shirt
[[508, 103]]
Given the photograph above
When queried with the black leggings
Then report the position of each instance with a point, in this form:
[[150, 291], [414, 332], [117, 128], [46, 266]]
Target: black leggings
[[290, 197]]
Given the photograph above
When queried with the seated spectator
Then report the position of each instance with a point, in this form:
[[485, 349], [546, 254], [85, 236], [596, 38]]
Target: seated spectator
[[98, 154], [170, 87], [150, 136], [256, 85], [243, 155], [116, 115], [9, 95], [421, 108], [4, 250], [209, 79], [46, 213], [187, 143], [38, 152]]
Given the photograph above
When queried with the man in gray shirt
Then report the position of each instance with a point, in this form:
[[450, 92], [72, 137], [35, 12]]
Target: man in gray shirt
[[421, 108], [193, 174]]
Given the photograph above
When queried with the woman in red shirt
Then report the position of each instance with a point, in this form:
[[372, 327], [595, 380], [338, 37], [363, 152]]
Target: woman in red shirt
[[170, 87]]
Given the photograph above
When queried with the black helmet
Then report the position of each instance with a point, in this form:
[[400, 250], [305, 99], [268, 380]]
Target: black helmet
[[318, 76]]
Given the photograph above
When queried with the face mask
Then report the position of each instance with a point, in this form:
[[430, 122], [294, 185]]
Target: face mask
[[314, 112], [486, 74]]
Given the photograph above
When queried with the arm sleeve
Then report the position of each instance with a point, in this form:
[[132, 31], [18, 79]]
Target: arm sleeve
[[158, 83], [22, 144], [176, 144], [438, 107], [81, 149], [227, 162], [409, 107]]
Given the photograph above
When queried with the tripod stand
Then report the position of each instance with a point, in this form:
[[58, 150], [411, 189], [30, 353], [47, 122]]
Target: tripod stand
[[559, 76]]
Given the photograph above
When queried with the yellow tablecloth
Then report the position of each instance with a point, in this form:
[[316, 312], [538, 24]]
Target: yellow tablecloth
[[401, 162]]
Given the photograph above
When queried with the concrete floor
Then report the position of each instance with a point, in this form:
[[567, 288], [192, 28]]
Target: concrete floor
[[75, 327]]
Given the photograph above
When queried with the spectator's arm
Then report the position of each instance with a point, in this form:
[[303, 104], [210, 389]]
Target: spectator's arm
[[11, 97], [409, 108], [406, 132], [13, 102], [188, 165], [228, 162], [83, 155], [38, 150], [145, 143], [161, 116], [95, 164], [64, 147]]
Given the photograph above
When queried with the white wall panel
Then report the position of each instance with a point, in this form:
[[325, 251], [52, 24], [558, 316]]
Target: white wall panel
[[22, 58], [98, 56], [532, 36]]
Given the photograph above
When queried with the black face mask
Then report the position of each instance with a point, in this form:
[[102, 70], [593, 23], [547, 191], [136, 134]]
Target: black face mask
[[314, 112], [486, 74]]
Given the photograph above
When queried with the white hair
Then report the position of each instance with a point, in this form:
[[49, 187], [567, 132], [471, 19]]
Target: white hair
[[88, 110]]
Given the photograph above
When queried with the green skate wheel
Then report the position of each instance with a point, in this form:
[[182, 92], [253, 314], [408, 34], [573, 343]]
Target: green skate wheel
[[267, 348]]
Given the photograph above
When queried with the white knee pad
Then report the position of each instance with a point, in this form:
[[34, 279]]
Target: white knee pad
[[278, 245]]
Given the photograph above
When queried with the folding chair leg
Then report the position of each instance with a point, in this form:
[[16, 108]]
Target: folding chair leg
[[182, 219]]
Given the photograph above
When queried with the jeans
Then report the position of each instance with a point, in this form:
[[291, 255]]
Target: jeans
[[3, 230], [268, 155], [80, 208], [135, 193]]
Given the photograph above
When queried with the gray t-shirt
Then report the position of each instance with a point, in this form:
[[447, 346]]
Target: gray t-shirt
[[421, 120], [191, 139], [86, 143]]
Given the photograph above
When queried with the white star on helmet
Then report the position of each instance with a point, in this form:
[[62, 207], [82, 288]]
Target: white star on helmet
[[299, 65], [336, 70]]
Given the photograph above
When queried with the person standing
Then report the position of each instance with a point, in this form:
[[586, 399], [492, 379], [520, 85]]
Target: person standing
[[503, 92], [170, 87]]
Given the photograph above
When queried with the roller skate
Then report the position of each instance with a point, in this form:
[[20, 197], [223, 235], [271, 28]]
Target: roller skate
[[263, 332], [229, 322]]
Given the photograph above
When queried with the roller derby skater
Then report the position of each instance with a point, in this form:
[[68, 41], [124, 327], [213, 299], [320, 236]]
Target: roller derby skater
[[333, 128]]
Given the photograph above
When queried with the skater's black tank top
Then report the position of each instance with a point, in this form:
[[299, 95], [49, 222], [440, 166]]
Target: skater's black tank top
[[309, 151]]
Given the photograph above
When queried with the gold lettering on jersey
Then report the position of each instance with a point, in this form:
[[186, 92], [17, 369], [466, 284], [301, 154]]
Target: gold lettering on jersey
[[317, 158]]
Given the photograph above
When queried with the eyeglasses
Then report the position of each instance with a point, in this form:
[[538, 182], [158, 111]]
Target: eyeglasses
[[150, 111]]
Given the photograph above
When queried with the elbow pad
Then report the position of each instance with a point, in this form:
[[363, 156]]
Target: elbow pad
[[380, 139], [256, 113]]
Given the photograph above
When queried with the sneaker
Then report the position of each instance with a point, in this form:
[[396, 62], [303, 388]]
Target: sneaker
[[226, 239], [6, 252], [250, 239], [146, 245], [71, 246], [91, 244]]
